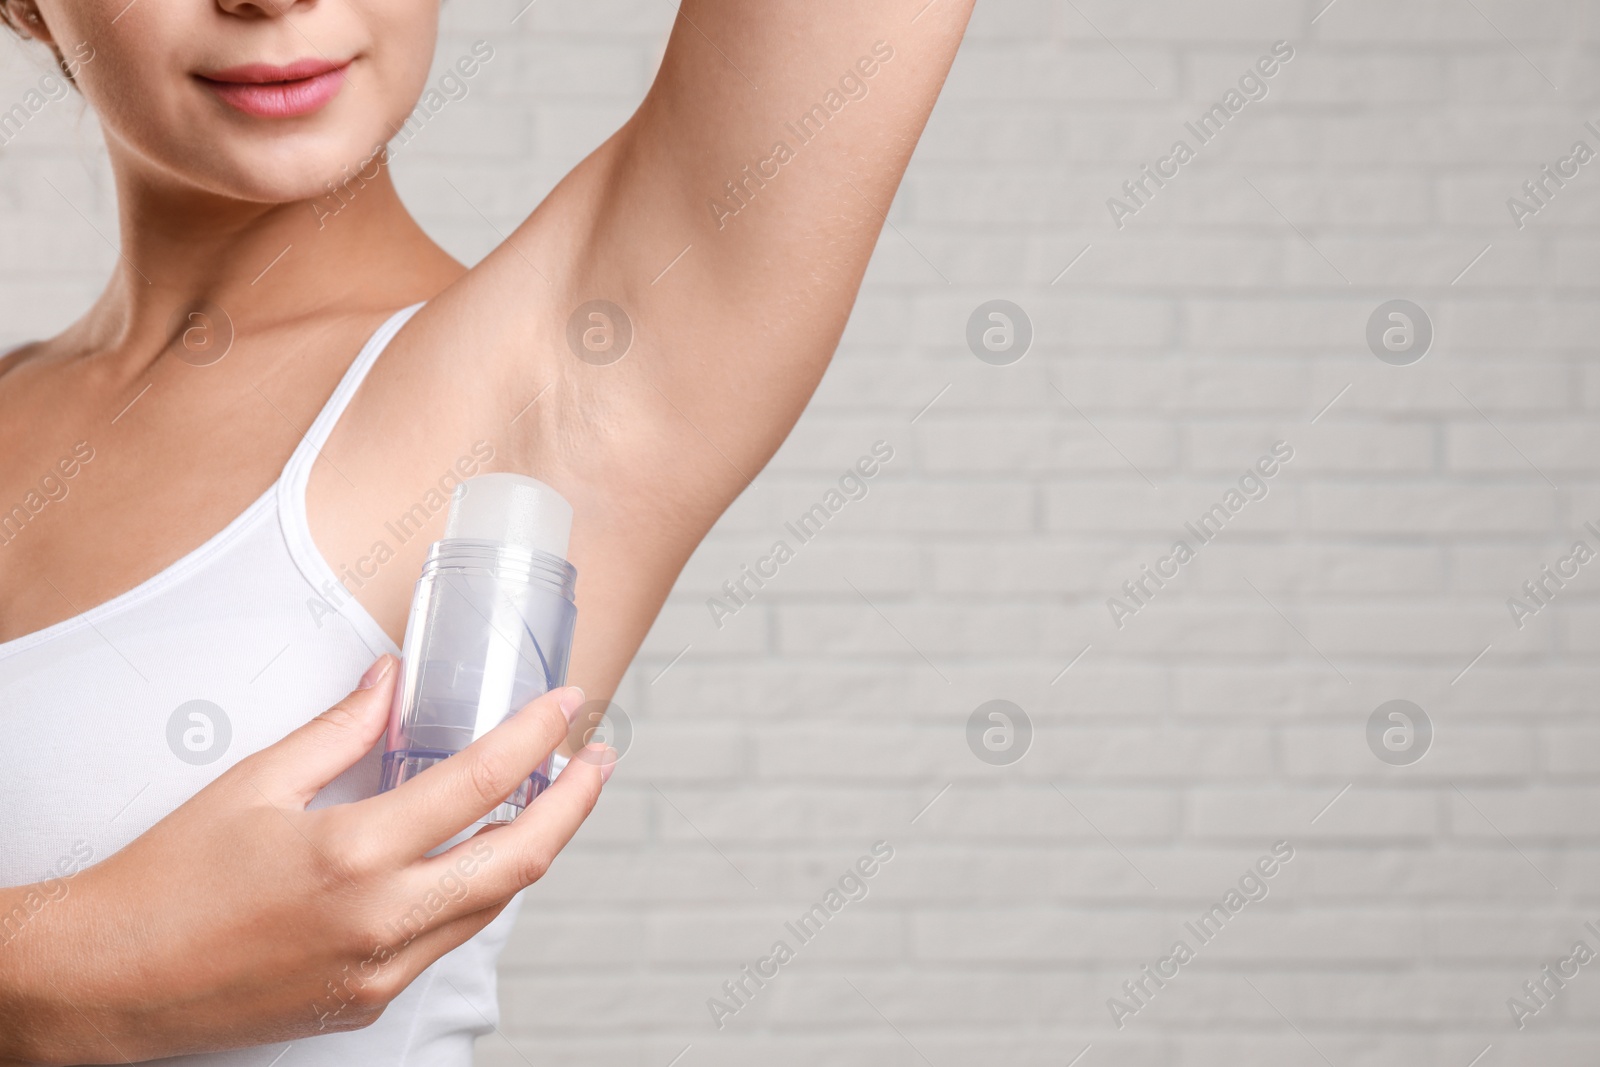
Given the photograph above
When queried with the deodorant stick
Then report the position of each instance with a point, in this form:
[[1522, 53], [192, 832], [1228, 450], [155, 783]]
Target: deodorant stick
[[490, 627]]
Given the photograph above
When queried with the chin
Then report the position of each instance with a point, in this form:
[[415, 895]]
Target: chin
[[280, 175], [276, 168]]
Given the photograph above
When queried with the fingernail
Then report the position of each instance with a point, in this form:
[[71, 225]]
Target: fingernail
[[570, 700], [608, 763], [375, 672]]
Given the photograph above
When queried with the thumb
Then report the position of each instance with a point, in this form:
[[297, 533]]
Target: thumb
[[318, 752]]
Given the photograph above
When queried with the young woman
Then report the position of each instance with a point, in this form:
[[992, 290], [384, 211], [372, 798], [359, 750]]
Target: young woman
[[218, 486]]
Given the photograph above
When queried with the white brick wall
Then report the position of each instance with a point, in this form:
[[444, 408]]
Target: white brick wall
[[1222, 717]]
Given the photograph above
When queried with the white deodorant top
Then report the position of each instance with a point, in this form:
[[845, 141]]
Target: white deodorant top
[[511, 508]]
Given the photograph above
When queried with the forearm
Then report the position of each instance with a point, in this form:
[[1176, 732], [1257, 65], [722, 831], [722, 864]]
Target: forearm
[[51, 1006]]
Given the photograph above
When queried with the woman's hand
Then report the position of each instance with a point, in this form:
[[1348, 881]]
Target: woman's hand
[[242, 918]]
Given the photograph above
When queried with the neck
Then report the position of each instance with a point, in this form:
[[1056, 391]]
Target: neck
[[355, 248]]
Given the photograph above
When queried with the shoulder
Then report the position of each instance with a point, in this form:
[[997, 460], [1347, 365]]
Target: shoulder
[[15, 355]]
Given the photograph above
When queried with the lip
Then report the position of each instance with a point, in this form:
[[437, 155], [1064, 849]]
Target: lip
[[277, 91]]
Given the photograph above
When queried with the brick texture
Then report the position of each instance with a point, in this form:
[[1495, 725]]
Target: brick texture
[[1230, 711]]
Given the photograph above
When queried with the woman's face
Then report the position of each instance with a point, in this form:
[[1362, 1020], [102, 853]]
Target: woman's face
[[264, 101]]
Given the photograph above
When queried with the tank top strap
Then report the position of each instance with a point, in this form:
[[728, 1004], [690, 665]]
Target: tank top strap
[[321, 429], [333, 597]]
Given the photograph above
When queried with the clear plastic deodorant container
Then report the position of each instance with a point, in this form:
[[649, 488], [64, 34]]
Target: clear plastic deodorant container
[[490, 627]]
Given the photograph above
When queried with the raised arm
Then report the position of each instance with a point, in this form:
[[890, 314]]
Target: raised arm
[[766, 156], [730, 221]]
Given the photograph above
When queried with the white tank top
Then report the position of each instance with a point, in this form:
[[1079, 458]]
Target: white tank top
[[103, 738]]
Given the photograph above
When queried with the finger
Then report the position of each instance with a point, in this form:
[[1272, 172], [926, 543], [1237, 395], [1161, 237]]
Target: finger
[[398, 960], [456, 792], [324, 748], [496, 864], [422, 951]]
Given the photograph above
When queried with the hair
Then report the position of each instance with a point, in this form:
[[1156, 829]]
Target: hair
[[11, 23]]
